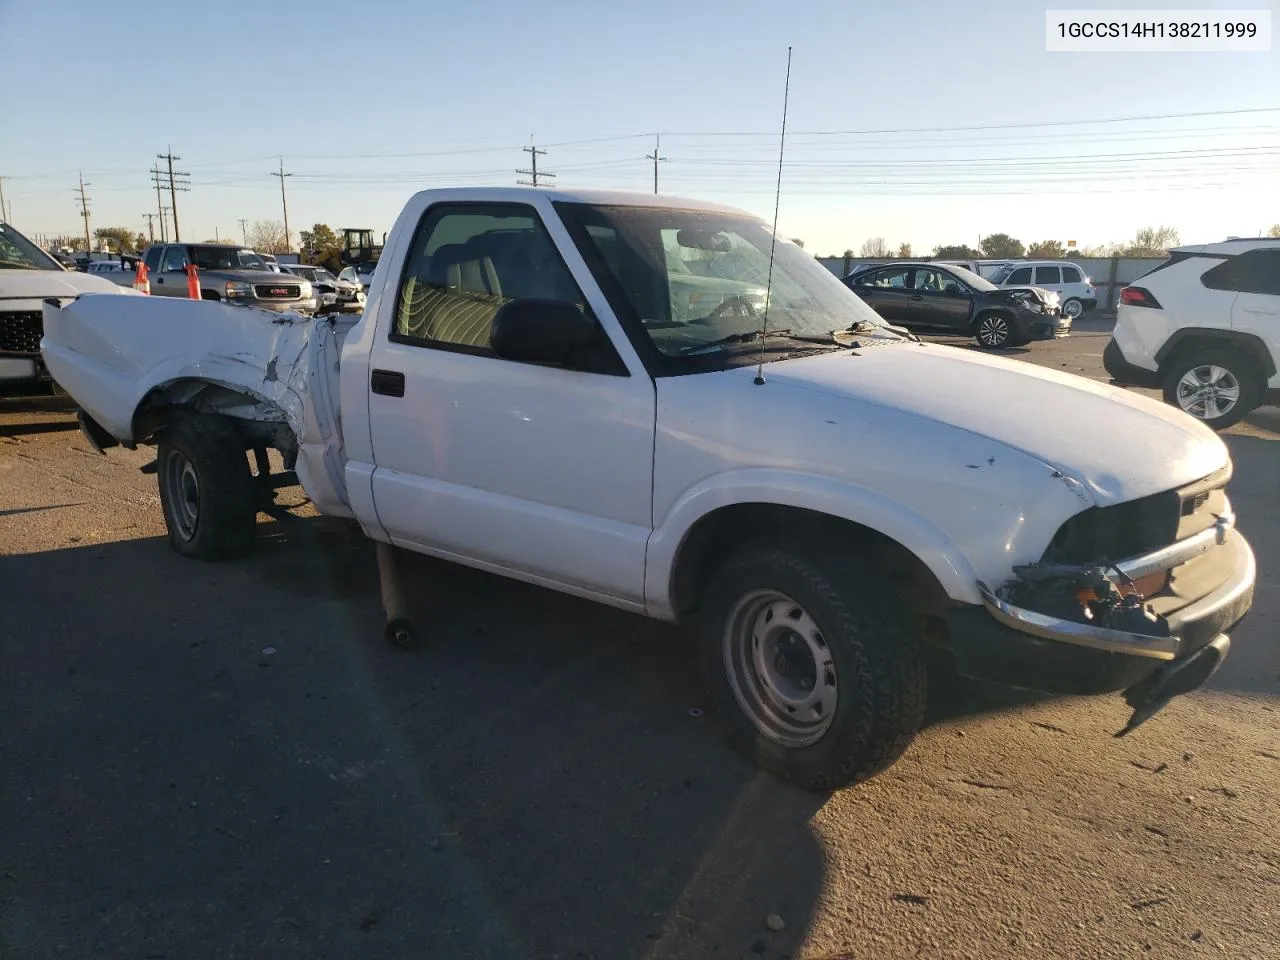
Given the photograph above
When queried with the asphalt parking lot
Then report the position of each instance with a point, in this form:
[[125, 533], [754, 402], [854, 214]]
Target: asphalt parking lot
[[227, 761]]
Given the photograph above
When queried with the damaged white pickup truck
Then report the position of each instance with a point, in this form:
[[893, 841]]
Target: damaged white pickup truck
[[582, 390]]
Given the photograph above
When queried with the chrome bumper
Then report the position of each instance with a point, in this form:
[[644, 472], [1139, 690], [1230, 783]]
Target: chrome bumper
[[1222, 602]]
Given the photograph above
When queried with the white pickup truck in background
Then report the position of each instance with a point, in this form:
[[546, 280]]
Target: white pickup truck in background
[[581, 390], [28, 277]]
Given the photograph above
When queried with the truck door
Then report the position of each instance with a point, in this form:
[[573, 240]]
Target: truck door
[[542, 471], [171, 281]]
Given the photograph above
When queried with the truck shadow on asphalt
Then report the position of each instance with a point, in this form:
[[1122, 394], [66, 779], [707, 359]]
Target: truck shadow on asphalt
[[544, 778]]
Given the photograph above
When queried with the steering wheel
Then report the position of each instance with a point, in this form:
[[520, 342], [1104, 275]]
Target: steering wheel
[[737, 306]]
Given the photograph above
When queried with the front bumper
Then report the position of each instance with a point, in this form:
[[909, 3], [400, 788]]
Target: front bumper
[[1024, 648], [1047, 326]]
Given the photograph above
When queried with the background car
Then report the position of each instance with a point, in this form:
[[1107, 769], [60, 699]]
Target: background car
[[1204, 326], [332, 293], [1067, 280], [934, 296], [361, 275]]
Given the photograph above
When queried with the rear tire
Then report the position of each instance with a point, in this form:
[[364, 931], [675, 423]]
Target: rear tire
[[1073, 309], [811, 661], [206, 491], [993, 331], [1218, 386]]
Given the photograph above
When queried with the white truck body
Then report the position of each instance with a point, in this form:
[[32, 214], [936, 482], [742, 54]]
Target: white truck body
[[594, 484]]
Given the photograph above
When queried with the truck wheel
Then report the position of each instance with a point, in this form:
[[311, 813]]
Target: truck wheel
[[812, 664], [206, 490], [1217, 386]]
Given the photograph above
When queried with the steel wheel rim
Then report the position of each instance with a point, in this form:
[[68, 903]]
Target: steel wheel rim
[[1072, 309], [993, 331], [1208, 391], [183, 488], [780, 669]]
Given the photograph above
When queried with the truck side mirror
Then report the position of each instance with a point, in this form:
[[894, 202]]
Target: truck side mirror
[[538, 331]]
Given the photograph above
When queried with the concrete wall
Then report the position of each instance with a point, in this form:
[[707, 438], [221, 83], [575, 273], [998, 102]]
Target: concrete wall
[[1108, 274]]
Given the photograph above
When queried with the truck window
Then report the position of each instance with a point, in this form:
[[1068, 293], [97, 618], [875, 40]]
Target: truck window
[[1019, 276], [152, 259], [175, 258], [466, 261]]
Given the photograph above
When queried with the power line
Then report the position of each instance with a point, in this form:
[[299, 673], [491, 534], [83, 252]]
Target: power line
[[983, 126], [84, 212], [533, 172], [177, 181], [284, 202]]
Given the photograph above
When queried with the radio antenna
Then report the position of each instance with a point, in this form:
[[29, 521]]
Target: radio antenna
[[773, 243]]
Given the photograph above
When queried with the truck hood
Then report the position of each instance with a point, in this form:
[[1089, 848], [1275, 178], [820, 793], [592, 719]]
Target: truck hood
[[1119, 445], [38, 284], [253, 276]]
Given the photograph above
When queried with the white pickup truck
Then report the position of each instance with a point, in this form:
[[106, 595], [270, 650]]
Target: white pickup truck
[[537, 389]]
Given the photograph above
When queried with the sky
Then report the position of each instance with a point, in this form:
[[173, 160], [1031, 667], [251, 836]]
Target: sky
[[919, 121]]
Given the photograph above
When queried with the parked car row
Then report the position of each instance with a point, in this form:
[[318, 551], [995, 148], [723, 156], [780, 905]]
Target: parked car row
[[936, 296]]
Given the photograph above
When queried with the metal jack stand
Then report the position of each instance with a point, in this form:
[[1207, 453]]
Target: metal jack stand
[[399, 630]]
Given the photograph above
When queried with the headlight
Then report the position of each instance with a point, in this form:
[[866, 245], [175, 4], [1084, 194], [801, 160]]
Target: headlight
[[305, 292], [239, 288]]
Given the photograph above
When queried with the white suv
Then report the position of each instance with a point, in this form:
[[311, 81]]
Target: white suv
[[1067, 280], [1205, 327]]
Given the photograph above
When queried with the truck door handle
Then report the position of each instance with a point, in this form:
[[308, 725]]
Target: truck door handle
[[389, 383], [159, 279]]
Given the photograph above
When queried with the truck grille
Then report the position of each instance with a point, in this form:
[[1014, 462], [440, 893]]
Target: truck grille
[[20, 332], [276, 291], [1140, 526]]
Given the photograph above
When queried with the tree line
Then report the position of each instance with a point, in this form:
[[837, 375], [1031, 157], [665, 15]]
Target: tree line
[[1147, 242]]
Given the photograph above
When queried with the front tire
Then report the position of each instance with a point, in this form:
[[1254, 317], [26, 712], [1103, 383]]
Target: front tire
[[812, 664], [206, 491], [994, 331], [1218, 387]]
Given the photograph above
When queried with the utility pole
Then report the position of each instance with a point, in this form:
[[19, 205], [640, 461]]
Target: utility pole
[[244, 230], [216, 238], [533, 173], [84, 213], [284, 203], [174, 186], [6, 217], [163, 234], [151, 226], [155, 178], [655, 157]]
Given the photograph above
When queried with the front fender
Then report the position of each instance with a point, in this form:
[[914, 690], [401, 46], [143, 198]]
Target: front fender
[[827, 495]]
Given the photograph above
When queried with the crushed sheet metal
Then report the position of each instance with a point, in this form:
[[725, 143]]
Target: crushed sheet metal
[[286, 364]]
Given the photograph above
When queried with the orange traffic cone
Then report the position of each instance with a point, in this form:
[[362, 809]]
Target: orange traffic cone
[[193, 282], [140, 281]]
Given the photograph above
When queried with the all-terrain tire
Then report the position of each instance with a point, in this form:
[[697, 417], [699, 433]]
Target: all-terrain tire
[[206, 490], [879, 661]]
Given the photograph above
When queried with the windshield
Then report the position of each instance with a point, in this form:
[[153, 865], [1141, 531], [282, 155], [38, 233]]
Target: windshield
[[1001, 275], [19, 253], [227, 258], [695, 277], [974, 280]]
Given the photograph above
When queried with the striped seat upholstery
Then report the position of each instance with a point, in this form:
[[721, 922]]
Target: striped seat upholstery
[[455, 302]]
